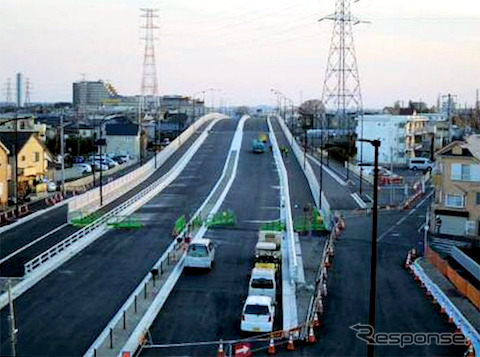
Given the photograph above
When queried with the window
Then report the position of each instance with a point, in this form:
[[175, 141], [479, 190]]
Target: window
[[22, 158], [455, 201], [37, 156], [262, 283], [477, 198], [198, 251], [257, 310], [464, 172]]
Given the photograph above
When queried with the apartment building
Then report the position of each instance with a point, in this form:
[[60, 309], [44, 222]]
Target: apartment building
[[456, 209]]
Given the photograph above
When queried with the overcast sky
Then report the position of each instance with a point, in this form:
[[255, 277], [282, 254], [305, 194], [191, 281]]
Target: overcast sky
[[412, 49]]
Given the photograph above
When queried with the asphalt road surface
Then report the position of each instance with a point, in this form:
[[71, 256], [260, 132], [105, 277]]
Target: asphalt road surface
[[64, 313], [206, 306], [56, 221]]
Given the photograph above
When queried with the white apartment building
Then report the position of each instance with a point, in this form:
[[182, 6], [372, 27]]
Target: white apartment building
[[400, 136]]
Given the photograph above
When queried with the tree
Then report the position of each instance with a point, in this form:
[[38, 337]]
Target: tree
[[312, 109]]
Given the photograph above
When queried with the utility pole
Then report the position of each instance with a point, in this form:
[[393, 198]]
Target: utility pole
[[11, 320], [15, 158], [62, 149], [28, 92], [341, 87]]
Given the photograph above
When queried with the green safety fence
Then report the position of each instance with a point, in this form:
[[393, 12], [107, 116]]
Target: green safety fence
[[225, 218], [85, 221], [313, 223], [197, 222], [125, 222], [179, 226], [276, 226]]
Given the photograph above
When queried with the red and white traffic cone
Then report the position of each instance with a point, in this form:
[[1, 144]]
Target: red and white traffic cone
[[316, 321], [470, 351], [290, 345], [311, 335], [320, 306], [220, 352], [271, 347]]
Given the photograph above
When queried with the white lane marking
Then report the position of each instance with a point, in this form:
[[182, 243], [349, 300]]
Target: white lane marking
[[328, 171], [405, 217], [369, 197], [359, 201], [33, 243]]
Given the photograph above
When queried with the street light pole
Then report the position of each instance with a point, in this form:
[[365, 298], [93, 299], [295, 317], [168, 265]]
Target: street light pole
[[62, 151], [373, 258]]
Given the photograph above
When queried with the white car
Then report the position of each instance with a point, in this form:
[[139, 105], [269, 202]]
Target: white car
[[51, 186], [200, 254], [258, 314], [262, 282], [83, 169]]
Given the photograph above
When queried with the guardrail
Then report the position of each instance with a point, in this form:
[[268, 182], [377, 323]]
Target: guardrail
[[125, 208], [316, 305], [90, 201], [451, 310]]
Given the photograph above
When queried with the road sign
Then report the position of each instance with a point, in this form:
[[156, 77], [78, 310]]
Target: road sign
[[243, 349]]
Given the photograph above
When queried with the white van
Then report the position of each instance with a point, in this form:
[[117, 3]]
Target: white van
[[420, 163], [200, 254], [258, 314], [262, 282]]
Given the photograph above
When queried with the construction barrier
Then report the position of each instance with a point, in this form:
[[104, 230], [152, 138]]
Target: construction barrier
[[446, 305], [466, 288]]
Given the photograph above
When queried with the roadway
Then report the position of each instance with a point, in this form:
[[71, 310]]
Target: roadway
[[207, 306], [401, 304], [51, 227], [64, 313]]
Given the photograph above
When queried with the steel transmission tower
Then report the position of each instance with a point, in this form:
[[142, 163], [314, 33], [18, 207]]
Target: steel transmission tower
[[28, 92], [8, 91], [149, 90], [341, 90]]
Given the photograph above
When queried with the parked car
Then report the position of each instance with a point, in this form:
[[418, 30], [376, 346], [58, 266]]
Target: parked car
[[201, 254], [83, 169], [97, 166], [420, 163], [121, 159], [110, 162], [258, 314]]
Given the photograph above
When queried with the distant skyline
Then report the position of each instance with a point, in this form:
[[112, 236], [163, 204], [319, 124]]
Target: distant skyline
[[410, 50]]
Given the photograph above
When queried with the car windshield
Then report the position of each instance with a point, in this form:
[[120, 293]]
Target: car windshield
[[197, 251], [262, 283], [256, 310]]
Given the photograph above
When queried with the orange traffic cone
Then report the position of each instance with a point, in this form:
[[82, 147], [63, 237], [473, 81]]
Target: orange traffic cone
[[316, 321], [327, 262], [320, 306], [450, 319], [220, 352], [271, 347], [442, 310], [290, 345], [434, 301], [470, 352], [311, 335]]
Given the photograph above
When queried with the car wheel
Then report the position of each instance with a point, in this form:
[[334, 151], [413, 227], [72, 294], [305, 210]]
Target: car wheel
[[429, 168], [414, 168]]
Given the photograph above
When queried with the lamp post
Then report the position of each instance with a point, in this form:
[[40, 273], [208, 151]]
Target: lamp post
[[100, 143], [373, 258]]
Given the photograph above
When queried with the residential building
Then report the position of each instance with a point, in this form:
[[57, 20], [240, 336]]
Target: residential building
[[4, 175], [32, 158], [397, 138], [24, 123], [123, 138], [456, 208]]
